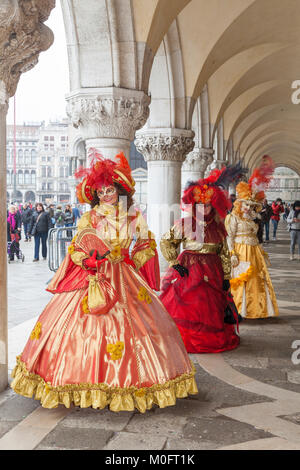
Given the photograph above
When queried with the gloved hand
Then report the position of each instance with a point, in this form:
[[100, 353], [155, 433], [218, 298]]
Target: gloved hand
[[234, 261], [129, 261], [226, 284], [181, 270], [92, 262]]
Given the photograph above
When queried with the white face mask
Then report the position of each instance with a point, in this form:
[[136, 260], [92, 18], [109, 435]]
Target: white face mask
[[106, 191]]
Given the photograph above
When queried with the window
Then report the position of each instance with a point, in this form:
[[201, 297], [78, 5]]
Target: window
[[62, 159], [51, 146], [44, 172], [27, 179], [49, 159], [49, 172], [33, 177], [46, 147], [61, 172], [8, 177], [43, 159], [20, 157], [49, 186], [46, 137], [33, 157], [51, 137], [62, 138], [20, 177], [44, 186], [27, 157], [66, 172]]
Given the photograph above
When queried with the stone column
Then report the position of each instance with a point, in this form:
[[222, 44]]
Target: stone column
[[218, 164], [164, 151], [3, 241], [22, 37], [108, 117], [195, 164]]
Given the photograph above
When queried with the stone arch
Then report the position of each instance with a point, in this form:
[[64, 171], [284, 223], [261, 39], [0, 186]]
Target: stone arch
[[30, 196]]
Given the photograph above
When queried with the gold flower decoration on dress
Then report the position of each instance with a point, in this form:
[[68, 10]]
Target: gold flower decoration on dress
[[152, 244], [84, 305], [143, 295], [71, 249], [140, 392], [115, 350], [36, 332], [116, 252]]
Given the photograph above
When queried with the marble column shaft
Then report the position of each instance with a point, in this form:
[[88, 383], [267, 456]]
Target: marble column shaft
[[164, 153]]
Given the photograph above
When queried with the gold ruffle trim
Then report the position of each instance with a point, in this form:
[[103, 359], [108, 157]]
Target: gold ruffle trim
[[101, 395]]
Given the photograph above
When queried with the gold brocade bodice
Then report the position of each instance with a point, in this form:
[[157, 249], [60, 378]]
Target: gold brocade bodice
[[243, 231], [118, 228], [172, 240]]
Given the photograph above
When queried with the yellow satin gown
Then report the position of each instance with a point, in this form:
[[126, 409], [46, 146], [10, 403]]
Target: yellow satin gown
[[251, 285]]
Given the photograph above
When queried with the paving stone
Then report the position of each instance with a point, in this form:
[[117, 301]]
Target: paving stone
[[295, 418], [294, 377], [222, 431], [75, 438], [17, 408], [6, 426], [186, 444], [167, 424], [97, 419], [135, 441]]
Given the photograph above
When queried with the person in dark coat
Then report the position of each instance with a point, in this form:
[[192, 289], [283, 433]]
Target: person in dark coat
[[39, 227], [14, 224], [69, 219], [266, 214], [26, 216]]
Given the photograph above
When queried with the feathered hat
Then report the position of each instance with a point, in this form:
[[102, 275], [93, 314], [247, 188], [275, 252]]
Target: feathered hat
[[253, 192], [213, 189], [103, 172]]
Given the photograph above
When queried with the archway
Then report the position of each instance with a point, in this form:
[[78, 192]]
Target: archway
[[30, 196]]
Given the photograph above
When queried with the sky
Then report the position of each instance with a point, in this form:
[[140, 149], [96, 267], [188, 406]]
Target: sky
[[41, 91]]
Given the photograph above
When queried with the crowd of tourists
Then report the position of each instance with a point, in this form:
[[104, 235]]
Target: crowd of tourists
[[36, 221]]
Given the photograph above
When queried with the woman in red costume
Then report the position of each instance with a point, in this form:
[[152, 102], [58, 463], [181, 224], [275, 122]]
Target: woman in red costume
[[105, 339], [195, 288]]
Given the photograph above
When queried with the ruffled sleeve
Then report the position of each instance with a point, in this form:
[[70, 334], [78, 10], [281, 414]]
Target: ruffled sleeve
[[144, 253], [225, 259], [170, 243], [145, 246], [231, 227], [77, 256]]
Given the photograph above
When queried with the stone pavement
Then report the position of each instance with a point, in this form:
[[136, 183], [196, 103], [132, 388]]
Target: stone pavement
[[248, 398]]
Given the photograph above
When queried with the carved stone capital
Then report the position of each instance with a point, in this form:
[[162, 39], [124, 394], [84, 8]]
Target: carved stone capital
[[22, 37], [164, 146], [112, 113], [218, 164], [198, 160], [3, 98]]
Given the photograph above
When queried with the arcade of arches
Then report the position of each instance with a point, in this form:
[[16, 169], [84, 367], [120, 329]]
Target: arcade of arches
[[197, 84]]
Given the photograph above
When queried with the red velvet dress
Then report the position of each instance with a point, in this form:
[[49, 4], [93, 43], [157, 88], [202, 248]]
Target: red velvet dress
[[197, 302]]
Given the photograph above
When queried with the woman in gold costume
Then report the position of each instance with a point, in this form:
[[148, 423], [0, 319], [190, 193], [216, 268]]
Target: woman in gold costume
[[251, 285], [105, 338]]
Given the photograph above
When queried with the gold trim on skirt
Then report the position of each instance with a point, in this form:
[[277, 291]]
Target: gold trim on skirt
[[101, 395]]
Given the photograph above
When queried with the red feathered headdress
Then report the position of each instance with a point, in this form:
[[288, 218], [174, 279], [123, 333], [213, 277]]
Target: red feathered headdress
[[213, 189], [103, 172]]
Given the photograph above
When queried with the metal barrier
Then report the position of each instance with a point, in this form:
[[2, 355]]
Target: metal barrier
[[59, 239]]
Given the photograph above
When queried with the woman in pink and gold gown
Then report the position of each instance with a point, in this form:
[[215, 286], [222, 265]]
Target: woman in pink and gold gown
[[105, 338]]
